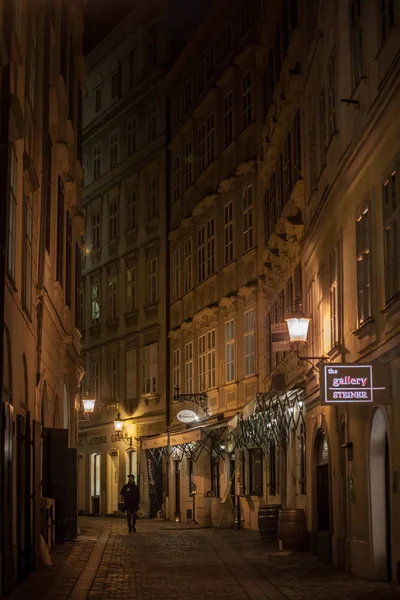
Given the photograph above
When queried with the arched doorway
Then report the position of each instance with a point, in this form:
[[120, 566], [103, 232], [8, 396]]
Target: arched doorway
[[81, 483], [112, 482], [95, 466], [380, 497], [323, 497]]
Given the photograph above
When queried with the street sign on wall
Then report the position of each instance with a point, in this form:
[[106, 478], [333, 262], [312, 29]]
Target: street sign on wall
[[353, 383]]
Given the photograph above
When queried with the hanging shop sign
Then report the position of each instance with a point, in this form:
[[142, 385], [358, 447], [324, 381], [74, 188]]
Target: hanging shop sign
[[280, 337], [157, 442], [186, 416], [353, 383], [186, 437]]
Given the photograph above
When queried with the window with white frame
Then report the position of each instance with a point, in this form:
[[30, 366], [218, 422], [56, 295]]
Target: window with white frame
[[112, 221], [96, 162], [335, 295], [98, 97], [112, 295], [230, 351], [246, 99], [96, 230], [151, 122], [112, 377], [390, 207], [27, 255], [187, 265], [113, 149], [176, 187], [363, 243], [188, 94], [149, 369], [189, 368], [206, 143], [115, 84], [131, 136], [95, 379], [249, 346], [228, 119], [176, 366], [228, 233], [206, 250], [188, 164], [95, 303], [176, 273], [152, 200], [332, 96], [12, 214], [247, 219], [207, 361], [356, 42], [152, 280], [131, 209], [131, 292]]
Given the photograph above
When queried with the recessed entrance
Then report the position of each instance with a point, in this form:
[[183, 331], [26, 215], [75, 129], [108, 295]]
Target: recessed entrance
[[380, 498], [113, 482], [323, 497], [177, 466]]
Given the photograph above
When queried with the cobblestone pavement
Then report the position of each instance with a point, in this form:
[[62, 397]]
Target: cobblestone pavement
[[68, 561]]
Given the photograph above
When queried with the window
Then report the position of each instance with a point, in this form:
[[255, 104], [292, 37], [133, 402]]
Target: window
[[207, 361], [206, 143], [112, 377], [188, 164], [12, 214], [27, 256], [112, 221], [131, 136], [189, 368], [249, 366], [206, 250], [335, 295], [176, 190], [95, 379], [68, 261], [152, 200], [363, 243], [188, 94], [176, 360], [96, 230], [228, 120], [187, 267], [356, 42], [201, 75], [131, 293], [31, 70], [176, 271], [113, 149], [115, 84], [255, 472], [152, 49], [228, 233], [95, 303], [131, 210], [246, 99], [60, 231], [313, 158], [287, 168], [390, 232], [322, 129], [229, 351], [151, 278], [332, 100], [96, 476], [387, 17], [112, 296], [98, 97], [96, 162], [151, 122], [247, 219], [149, 369], [130, 377]]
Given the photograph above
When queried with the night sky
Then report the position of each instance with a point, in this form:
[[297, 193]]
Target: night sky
[[100, 17]]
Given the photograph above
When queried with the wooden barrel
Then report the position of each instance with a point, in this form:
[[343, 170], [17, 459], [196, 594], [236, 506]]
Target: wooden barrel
[[292, 528], [268, 520]]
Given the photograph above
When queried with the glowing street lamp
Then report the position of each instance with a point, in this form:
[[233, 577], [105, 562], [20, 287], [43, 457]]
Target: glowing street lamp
[[88, 403], [118, 423], [298, 326]]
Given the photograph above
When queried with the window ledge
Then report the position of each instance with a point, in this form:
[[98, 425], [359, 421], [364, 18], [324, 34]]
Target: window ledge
[[335, 351], [151, 309], [365, 329], [112, 325], [131, 317], [95, 330], [148, 397], [392, 306]]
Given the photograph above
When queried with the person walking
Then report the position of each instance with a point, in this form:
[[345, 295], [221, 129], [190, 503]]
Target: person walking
[[130, 496]]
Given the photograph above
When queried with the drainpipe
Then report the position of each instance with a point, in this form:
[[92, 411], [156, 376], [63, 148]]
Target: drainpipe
[[45, 195]]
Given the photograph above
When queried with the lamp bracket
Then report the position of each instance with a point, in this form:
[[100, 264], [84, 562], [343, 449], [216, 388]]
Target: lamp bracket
[[199, 399], [309, 359]]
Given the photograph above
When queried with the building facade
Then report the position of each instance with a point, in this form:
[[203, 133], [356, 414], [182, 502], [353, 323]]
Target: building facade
[[41, 73]]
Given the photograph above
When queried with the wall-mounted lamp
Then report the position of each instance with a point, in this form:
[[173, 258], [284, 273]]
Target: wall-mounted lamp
[[298, 325], [88, 403], [118, 425]]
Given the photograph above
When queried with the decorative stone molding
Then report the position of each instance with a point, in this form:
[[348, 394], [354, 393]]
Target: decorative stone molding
[[152, 249], [132, 258], [247, 168], [228, 304], [226, 185], [248, 293], [206, 318], [204, 205]]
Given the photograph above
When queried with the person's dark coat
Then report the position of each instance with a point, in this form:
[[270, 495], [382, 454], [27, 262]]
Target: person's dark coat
[[131, 495]]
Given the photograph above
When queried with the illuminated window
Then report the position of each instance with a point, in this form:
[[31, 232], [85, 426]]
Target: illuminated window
[[152, 280], [112, 296], [149, 369], [229, 351], [112, 376], [249, 349], [189, 368], [95, 303], [206, 250]]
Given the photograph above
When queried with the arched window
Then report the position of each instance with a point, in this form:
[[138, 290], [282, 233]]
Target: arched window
[[95, 474], [322, 452]]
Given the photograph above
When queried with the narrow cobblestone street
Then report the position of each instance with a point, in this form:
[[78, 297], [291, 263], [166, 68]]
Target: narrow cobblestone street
[[177, 561]]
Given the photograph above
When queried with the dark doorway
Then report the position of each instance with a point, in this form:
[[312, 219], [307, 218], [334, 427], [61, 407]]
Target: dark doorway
[[323, 499], [388, 520], [177, 488], [343, 560]]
